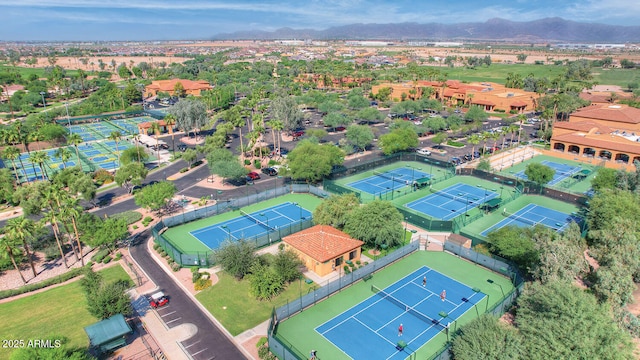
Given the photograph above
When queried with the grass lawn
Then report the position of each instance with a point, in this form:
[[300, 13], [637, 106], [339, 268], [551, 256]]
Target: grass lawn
[[61, 311], [237, 310]]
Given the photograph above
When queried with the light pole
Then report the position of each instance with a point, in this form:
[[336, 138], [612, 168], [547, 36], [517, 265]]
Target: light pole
[[43, 102], [404, 235], [66, 106], [490, 281]]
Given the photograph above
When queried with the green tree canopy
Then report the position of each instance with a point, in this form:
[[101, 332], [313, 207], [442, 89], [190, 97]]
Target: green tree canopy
[[360, 136], [236, 258], [312, 161], [397, 140], [155, 197], [487, 338], [378, 224], [476, 114], [560, 321], [335, 210], [514, 243], [539, 173], [130, 175]]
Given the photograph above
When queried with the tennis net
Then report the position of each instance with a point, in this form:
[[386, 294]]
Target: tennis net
[[521, 219], [463, 199], [391, 176], [257, 221], [405, 307]]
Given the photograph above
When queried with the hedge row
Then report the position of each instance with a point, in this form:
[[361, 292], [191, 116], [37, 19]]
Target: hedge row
[[43, 284], [130, 216]]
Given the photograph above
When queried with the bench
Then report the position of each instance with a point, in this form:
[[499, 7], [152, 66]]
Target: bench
[[367, 277]]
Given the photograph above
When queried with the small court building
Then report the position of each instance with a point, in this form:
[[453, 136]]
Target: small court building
[[323, 248], [108, 334]]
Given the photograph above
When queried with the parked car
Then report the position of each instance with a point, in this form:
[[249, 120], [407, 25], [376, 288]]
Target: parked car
[[253, 176], [423, 152], [269, 171], [340, 128], [158, 299], [456, 161]]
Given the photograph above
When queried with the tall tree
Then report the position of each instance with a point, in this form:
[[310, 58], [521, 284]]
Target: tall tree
[[22, 229], [378, 224], [8, 245], [169, 122], [115, 136], [75, 140]]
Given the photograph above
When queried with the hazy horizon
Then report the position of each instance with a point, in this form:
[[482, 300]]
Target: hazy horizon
[[142, 20]]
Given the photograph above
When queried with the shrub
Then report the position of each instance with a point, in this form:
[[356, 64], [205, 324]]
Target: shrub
[[100, 255], [358, 262], [247, 162], [156, 246], [257, 163], [51, 252], [43, 284], [175, 266], [272, 162], [202, 284], [195, 275], [130, 216], [106, 260], [197, 163], [261, 342], [454, 143], [147, 220], [184, 170], [102, 176], [90, 264], [162, 253], [135, 227], [118, 256]]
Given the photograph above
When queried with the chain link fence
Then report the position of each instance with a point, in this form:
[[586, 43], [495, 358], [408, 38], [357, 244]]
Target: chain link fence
[[205, 258]]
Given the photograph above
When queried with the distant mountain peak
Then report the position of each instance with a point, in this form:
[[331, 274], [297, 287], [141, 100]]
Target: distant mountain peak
[[542, 30]]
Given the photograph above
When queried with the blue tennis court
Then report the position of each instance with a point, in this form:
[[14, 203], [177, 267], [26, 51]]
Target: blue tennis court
[[369, 330], [395, 179], [563, 171], [532, 215], [250, 225], [453, 201]]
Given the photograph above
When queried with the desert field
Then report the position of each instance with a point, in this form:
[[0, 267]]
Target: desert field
[[92, 64]]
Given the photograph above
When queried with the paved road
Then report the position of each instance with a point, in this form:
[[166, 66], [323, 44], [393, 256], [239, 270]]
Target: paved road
[[209, 342]]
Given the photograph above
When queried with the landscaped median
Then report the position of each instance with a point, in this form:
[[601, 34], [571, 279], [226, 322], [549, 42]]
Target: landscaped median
[[58, 312]]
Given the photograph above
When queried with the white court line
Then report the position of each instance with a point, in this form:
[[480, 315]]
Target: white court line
[[167, 314], [170, 321]]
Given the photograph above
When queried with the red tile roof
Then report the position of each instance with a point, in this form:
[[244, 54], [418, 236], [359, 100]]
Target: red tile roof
[[482, 102], [519, 103], [322, 242], [169, 85], [584, 126], [619, 113]]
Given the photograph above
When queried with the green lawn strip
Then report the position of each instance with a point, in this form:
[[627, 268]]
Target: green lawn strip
[[61, 311], [243, 311], [621, 77], [179, 235], [497, 72], [575, 187], [480, 225], [300, 329]]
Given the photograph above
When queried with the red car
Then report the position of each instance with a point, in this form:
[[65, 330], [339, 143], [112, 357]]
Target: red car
[[158, 300], [340, 128], [253, 175], [297, 134]]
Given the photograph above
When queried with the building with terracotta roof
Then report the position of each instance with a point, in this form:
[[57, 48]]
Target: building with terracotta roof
[[168, 86], [323, 248], [490, 96], [608, 134]]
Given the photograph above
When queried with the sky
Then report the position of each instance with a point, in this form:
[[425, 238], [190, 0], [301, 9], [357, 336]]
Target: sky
[[86, 20]]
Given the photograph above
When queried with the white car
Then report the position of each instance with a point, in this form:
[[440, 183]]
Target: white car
[[423, 152]]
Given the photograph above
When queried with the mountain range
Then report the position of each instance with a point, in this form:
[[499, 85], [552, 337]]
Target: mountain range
[[543, 30]]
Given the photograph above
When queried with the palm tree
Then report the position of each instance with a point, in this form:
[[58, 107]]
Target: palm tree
[[278, 126], [155, 128], [473, 140], [234, 117], [170, 121], [64, 154], [39, 157], [272, 125], [512, 129], [12, 153], [115, 136], [75, 140], [7, 244], [50, 195], [20, 229], [69, 209]]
